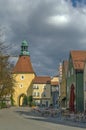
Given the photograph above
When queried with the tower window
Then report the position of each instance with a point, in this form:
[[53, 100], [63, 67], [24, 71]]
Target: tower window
[[21, 86], [22, 77]]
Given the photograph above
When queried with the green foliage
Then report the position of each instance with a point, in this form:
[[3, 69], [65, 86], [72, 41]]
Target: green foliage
[[6, 77], [25, 101], [33, 103], [12, 100], [3, 104], [30, 99]]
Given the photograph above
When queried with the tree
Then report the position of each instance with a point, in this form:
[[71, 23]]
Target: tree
[[30, 99], [25, 101], [6, 78]]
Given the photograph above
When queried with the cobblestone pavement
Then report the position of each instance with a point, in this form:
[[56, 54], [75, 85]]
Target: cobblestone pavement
[[22, 119]]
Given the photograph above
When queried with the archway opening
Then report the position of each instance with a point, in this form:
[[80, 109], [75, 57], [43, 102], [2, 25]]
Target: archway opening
[[22, 100]]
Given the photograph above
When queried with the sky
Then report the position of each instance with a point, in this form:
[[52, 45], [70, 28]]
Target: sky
[[52, 29]]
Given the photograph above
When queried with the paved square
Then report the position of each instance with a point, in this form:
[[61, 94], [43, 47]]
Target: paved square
[[21, 119]]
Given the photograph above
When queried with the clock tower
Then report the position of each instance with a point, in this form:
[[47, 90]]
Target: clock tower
[[24, 49], [23, 74]]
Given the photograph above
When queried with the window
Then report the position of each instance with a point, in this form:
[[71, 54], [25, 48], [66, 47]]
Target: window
[[34, 94], [35, 87], [44, 87], [44, 94], [72, 71], [37, 94], [21, 86], [57, 89], [22, 77]]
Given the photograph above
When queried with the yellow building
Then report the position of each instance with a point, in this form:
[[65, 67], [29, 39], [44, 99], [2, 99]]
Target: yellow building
[[24, 75], [55, 79], [42, 90]]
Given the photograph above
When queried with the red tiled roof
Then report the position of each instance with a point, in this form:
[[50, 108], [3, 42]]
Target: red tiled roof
[[78, 58], [78, 55], [78, 65], [42, 80], [23, 65]]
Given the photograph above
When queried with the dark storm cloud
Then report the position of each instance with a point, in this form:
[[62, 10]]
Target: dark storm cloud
[[52, 29]]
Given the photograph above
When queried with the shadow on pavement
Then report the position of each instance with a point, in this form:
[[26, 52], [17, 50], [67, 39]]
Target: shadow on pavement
[[28, 114]]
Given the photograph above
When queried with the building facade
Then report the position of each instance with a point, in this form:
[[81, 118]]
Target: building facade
[[75, 81], [23, 74], [42, 91]]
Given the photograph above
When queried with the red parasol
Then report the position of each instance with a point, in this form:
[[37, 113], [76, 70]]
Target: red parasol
[[72, 98]]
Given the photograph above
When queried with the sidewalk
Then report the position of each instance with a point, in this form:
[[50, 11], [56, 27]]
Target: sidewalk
[[62, 121], [59, 119]]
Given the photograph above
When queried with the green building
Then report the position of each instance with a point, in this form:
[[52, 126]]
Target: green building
[[75, 84]]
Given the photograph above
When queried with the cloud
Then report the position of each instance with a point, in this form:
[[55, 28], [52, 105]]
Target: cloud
[[52, 29], [58, 20]]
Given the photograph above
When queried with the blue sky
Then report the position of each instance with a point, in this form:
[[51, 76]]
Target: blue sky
[[75, 2], [51, 27]]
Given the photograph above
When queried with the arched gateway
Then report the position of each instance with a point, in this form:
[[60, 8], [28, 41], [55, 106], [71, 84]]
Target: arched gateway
[[21, 100], [23, 74]]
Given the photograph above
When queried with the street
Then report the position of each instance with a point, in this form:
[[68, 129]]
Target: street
[[20, 119]]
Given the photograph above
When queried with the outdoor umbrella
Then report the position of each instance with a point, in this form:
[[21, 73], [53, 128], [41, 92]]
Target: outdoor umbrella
[[72, 98]]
